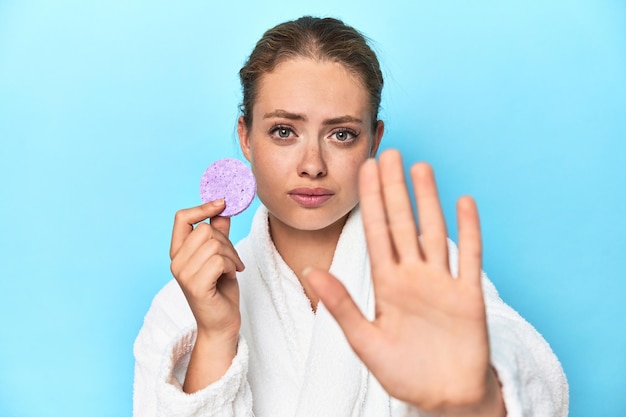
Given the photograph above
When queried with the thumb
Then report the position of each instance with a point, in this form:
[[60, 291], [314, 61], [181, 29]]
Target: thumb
[[222, 224], [341, 306]]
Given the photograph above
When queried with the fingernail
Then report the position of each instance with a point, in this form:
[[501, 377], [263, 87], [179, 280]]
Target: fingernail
[[306, 271], [218, 203]]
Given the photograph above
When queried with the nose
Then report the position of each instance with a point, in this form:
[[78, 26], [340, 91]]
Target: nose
[[312, 163]]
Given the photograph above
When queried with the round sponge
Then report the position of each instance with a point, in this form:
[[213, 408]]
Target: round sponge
[[231, 180]]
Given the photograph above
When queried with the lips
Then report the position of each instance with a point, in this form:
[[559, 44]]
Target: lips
[[310, 197]]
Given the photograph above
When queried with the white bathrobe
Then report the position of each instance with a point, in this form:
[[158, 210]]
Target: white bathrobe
[[292, 362]]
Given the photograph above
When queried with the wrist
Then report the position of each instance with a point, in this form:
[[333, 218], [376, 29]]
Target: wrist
[[216, 341], [490, 404], [215, 350], [211, 357]]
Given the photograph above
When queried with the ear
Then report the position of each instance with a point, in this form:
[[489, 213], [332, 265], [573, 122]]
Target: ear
[[378, 137], [244, 138]]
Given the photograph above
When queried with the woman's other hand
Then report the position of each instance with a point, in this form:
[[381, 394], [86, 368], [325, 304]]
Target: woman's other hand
[[428, 344]]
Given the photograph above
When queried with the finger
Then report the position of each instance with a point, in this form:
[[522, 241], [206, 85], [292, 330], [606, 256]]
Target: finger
[[470, 244], [230, 251], [204, 241], [374, 217], [204, 280], [210, 251], [186, 218], [358, 330], [433, 233], [398, 204], [222, 224], [217, 267]]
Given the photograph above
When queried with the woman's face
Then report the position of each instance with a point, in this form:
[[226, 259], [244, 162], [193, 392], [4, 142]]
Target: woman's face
[[311, 130]]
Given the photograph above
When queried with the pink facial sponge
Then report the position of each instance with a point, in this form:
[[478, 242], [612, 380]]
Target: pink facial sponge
[[231, 180]]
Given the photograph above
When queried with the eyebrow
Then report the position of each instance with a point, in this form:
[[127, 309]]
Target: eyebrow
[[284, 114], [295, 116], [342, 119]]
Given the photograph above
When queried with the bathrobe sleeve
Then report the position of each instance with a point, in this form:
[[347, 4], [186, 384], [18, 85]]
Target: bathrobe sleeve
[[162, 350], [532, 378]]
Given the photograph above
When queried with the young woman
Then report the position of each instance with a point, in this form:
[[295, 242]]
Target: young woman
[[337, 303]]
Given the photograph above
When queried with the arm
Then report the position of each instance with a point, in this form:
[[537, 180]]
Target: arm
[[162, 352], [204, 263], [430, 344], [204, 372]]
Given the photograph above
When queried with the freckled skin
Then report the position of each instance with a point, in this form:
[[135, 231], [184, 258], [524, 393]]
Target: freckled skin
[[313, 155]]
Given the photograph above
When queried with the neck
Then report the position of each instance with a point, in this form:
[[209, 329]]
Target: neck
[[306, 248]]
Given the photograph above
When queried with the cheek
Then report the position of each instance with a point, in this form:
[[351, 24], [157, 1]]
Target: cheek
[[349, 169], [355, 175], [266, 164]]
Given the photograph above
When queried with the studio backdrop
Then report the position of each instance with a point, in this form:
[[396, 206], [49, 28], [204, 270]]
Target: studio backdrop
[[111, 110]]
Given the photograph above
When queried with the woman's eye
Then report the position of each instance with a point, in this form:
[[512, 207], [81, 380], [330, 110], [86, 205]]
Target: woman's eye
[[281, 132], [344, 135]]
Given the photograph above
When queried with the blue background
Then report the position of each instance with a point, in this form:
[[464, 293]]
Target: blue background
[[111, 110]]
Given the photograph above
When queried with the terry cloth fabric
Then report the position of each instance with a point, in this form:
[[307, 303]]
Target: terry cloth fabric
[[292, 362], [325, 377]]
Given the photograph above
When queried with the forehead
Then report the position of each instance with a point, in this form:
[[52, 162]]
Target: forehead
[[314, 88]]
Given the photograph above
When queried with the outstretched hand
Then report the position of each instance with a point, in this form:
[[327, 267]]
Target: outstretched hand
[[428, 344]]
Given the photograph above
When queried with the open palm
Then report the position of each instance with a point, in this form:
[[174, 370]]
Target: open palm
[[428, 344]]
